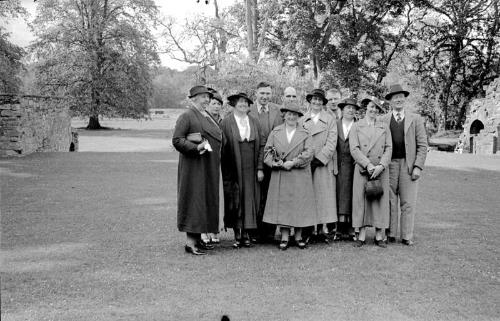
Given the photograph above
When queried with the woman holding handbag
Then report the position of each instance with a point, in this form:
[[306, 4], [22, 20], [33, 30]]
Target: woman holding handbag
[[371, 147]]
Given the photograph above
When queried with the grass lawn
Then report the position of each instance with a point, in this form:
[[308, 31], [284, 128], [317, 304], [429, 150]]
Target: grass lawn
[[92, 236]]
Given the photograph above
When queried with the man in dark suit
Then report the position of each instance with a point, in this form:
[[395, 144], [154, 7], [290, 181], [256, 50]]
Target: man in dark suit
[[409, 150], [269, 116]]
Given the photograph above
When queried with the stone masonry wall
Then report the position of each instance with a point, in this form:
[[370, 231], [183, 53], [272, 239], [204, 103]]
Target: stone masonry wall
[[33, 124]]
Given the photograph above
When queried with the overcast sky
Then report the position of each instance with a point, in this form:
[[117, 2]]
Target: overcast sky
[[180, 9]]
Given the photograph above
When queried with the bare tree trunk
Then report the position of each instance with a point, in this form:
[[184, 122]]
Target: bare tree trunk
[[248, 17]]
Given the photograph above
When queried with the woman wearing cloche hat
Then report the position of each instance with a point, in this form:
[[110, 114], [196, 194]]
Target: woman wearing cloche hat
[[198, 139], [371, 147], [242, 169], [323, 128], [290, 201]]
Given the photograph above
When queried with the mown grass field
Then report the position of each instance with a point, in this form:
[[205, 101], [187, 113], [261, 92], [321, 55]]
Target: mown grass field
[[92, 236]]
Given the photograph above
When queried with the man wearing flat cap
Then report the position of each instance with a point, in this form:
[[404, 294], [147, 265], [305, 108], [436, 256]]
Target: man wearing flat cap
[[198, 138], [409, 150]]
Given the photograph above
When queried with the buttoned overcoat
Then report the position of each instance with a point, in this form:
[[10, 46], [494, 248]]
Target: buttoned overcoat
[[198, 175], [231, 166], [290, 200], [324, 141], [370, 144]]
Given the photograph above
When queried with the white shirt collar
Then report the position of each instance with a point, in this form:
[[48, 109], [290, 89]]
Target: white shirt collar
[[266, 107], [401, 113], [347, 127]]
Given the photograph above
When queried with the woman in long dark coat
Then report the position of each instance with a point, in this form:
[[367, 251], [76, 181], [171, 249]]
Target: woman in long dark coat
[[345, 171], [242, 169], [198, 139]]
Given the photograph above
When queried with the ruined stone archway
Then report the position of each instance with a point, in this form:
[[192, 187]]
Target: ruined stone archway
[[476, 127]]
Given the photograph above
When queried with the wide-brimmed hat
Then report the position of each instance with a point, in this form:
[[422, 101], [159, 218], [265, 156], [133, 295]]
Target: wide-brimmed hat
[[379, 103], [396, 89], [293, 107], [349, 101], [234, 98], [198, 90], [318, 93]]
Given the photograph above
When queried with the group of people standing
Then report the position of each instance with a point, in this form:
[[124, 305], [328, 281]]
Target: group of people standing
[[294, 173]]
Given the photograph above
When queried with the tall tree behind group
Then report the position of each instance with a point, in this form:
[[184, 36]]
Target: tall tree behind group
[[99, 53], [459, 54], [10, 54]]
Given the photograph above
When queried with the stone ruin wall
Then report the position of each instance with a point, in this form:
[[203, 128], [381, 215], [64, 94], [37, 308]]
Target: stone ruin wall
[[484, 116], [34, 124]]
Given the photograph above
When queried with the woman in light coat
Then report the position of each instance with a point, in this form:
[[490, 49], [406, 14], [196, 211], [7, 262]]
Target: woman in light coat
[[290, 200], [323, 129], [371, 147]]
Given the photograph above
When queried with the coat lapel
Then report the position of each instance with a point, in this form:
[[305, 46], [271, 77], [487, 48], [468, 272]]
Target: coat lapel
[[298, 137], [408, 120], [209, 126], [378, 132], [319, 127], [253, 111]]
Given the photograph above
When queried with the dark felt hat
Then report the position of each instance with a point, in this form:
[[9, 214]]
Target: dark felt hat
[[234, 98], [349, 101], [396, 89], [318, 93], [378, 102], [197, 90], [218, 97], [293, 107]]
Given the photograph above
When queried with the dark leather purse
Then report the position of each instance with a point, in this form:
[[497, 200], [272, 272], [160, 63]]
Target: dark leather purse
[[373, 189]]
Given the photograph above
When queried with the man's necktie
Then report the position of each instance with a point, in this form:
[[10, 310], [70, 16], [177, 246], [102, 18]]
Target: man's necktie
[[398, 117]]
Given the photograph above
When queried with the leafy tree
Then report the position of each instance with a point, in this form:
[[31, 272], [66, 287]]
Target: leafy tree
[[345, 43], [459, 54], [99, 53], [10, 54], [170, 87]]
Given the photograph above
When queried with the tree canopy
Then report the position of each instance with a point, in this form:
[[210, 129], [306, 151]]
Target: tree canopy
[[10, 54], [99, 53]]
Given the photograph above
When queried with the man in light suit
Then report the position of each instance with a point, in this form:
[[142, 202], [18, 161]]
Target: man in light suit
[[409, 150], [269, 116]]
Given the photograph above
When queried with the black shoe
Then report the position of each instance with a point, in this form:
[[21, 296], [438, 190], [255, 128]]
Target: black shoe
[[359, 243], [283, 245], [407, 242], [337, 237], [247, 243], [205, 245], [237, 244], [391, 239], [194, 250], [323, 238], [380, 243]]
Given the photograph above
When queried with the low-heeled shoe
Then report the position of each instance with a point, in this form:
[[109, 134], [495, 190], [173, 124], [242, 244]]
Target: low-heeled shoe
[[193, 250], [380, 243], [205, 246], [407, 242]]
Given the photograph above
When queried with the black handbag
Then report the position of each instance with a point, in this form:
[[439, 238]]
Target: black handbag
[[373, 189]]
